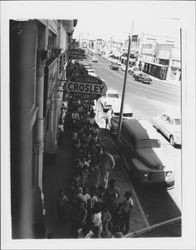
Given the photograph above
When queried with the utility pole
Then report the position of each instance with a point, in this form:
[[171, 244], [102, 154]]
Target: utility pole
[[124, 87]]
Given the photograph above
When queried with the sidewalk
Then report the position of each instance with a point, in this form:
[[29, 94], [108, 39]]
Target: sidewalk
[[165, 81], [58, 174]]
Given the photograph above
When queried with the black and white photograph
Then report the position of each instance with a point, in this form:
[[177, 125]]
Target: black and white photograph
[[98, 124]]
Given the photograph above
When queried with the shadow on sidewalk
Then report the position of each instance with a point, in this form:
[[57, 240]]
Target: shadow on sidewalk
[[56, 176]]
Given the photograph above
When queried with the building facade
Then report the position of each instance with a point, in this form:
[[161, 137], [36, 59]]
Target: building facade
[[155, 56], [38, 56]]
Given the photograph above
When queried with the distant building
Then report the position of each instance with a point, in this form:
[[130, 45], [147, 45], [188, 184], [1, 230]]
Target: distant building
[[156, 55]]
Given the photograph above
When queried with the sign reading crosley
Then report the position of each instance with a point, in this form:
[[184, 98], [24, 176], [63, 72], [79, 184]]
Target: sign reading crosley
[[86, 87]]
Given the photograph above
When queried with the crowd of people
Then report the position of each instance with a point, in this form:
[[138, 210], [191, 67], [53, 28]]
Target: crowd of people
[[75, 69], [98, 210]]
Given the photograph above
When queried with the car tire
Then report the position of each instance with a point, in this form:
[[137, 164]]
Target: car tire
[[171, 140]]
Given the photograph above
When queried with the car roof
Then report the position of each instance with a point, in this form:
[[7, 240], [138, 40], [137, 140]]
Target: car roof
[[112, 91], [149, 129], [135, 129]]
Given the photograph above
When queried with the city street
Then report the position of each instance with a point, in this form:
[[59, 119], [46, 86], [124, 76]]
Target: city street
[[148, 101], [98, 125]]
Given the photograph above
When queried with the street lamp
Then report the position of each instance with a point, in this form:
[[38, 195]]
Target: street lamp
[[124, 88]]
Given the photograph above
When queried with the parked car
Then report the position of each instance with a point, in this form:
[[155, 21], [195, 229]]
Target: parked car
[[91, 72], [94, 59], [114, 115], [110, 59], [144, 155], [87, 66], [114, 65], [123, 67], [109, 99], [169, 123], [141, 77], [132, 70]]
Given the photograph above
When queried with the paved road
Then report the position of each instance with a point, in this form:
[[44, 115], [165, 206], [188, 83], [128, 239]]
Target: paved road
[[148, 101]]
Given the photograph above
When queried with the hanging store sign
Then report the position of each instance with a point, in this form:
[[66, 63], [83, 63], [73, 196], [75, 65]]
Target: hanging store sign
[[86, 87], [75, 54]]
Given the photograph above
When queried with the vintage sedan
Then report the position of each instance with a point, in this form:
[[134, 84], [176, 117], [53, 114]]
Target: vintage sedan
[[91, 72], [144, 156], [169, 123], [142, 77], [109, 99]]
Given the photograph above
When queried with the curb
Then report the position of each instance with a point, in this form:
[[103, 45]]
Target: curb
[[153, 227]]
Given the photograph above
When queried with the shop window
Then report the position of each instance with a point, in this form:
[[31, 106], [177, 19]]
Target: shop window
[[163, 73], [163, 61], [154, 70], [146, 68]]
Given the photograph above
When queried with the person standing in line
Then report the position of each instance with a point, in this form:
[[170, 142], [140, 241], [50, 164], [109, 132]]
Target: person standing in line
[[96, 233], [93, 198], [62, 207], [108, 117], [96, 216], [112, 196], [60, 132], [107, 164], [127, 208], [106, 217], [78, 217], [84, 196]]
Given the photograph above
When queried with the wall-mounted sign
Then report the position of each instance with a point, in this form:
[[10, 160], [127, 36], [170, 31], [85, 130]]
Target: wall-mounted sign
[[77, 54], [87, 87]]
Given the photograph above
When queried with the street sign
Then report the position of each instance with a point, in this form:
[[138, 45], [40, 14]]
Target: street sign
[[86, 87]]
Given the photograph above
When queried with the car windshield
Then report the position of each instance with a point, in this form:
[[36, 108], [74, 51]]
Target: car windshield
[[127, 115], [112, 95], [124, 115], [177, 121], [148, 143]]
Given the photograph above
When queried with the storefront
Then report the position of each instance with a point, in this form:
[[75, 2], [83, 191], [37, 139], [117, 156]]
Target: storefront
[[174, 72], [157, 70]]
